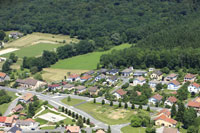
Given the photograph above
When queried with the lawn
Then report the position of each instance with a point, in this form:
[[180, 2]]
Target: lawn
[[48, 128], [129, 129], [34, 50], [107, 114], [4, 106], [85, 62], [72, 102]]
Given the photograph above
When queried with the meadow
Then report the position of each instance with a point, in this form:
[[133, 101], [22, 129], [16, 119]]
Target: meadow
[[85, 62]]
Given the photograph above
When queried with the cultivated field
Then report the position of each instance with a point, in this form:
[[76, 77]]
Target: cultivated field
[[85, 62], [36, 38]]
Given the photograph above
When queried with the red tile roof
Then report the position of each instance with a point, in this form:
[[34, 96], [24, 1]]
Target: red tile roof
[[165, 118], [74, 76], [172, 75], [29, 119], [195, 85], [54, 85], [190, 76], [172, 99], [2, 74], [165, 111], [157, 97], [175, 82], [121, 92], [86, 77], [2, 119], [194, 104], [73, 129], [140, 78]]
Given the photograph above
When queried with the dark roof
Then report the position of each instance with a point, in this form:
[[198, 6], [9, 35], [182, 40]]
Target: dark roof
[[113, 71], [28, 81], [90, 72], [139, 72], [158, 72], [113, 78], [127, 70], [102, 70], [14, 129]]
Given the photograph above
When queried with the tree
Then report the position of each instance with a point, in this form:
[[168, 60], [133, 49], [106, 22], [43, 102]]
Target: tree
[[173, 111], [126, 106], [66, 111], [31, 111], [120, 105], [69, 112], [182, 93], [63, 109], [109, 129], [84, 120], [13, 57], [6, 67], [140, 106], [111, 103], [189, 117], [159, 87], [192, 129], [79, 122], [2, 35], [68, 99], [132, 106], [136, 121], [38, 76], [103, 102], [94, 101], [180, 113], [150, 130], [76, 116], [148, 108], [88, 121]]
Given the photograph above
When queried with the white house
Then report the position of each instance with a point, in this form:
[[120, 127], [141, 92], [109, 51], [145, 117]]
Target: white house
[[189, 77], [73, 77], [127, 72], [194, 87], [119, 93], [170, 101], [173, 85], [112, 80], [171, 77], [153, 83], [27, 124], [155, 99], [139, 81], [99, 77], [3, 77]]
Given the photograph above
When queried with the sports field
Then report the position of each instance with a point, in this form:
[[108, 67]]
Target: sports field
[[34, 50], [85, 62]]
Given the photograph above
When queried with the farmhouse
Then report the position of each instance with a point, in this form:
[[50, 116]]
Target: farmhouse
[[194, 87], [139, 81], [173, 85], [189, 77], [119, 93], [155, 99], [163, 120], [73, 129], [170, 101], [4, 77], [30, 83], [26, 98], [157, 75], [127, 72], [171, 77]]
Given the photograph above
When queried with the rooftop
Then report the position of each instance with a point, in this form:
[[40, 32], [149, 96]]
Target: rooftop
[[121, 92], [165, 118]]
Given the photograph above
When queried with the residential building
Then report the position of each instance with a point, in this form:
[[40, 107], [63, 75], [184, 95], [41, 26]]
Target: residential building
[[194, 104], [2, 121], [170, 101], [171, 77], [28, 97], [90, 72], [155, 99], [99, 77], [15, 129], [85, 78], [138, 73], [119, 93], [79, 89], [139, 81], [93, 90], [4, 77], [28, 124], [112, 79], [127, 72], [73, 129], [163, 120], [112, 72], [151, 69], [30, 83], [157, 75], [102, 71], [73, 77], [9, 121], [18, 108], [15, 35], [164, 112], [194, 87], [173, 85], [189, 77], [54, 87], [68, 87]]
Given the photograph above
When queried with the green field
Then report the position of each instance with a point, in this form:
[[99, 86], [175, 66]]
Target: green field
[[34, 50], [4, 106], [85, 62], [72, 102], [129, 129], [48, 128]]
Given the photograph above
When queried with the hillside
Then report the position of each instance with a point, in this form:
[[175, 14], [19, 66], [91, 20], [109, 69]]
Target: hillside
[[106, 22]]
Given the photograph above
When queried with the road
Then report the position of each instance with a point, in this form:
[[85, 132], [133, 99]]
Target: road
[[11, 106]]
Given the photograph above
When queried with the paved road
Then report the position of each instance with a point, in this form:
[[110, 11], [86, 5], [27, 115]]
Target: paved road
[[11, 106]]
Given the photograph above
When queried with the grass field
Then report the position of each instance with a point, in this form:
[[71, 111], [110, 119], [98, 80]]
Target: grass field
[[72, 102], [129, 129], [4, 106], [107, 114], [85, 62], [34, 50], [48, 128]]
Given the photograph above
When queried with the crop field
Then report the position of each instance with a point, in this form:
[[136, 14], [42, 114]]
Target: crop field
[[85, 62], [34, 50]]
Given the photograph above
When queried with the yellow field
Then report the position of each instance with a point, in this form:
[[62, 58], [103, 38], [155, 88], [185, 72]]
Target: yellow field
[[50, 74], [36, 38]]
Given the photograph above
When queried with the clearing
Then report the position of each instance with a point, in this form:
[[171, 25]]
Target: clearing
[[110, 115], [129, 129], [72, 102], [85, 62]]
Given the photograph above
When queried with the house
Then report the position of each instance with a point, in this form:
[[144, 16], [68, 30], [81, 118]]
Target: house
[[27, 124], [170, 101], [18, 108], [112, 80], [28, 97], [9, 121], [15, 129], [151, 69], [90, 72], [119, 93], [68, 87], [30, 83], [73, 77], [194, 87], [157, 75], [155, 99], [2, 121], [170, 130], [4, 77], [54, 87], [85, 78], [99, 77], [189, 77], [73, 129], [139, 81], [15, 35], [127, 72], [164, 112], [102, 71], [152, 84], [171, 77], [80, 89], [112, 72], [93, 90], [163, 120], [194, 104], [173, 85], [139, 73]]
